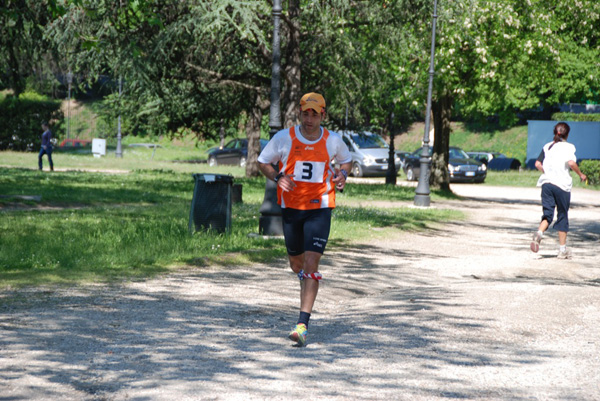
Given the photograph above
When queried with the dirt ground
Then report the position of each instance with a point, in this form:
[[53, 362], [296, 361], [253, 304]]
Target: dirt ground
[[462, 311]]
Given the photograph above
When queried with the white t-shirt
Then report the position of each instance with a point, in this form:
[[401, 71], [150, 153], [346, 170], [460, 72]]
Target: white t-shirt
[[280, 145], [556, 167]]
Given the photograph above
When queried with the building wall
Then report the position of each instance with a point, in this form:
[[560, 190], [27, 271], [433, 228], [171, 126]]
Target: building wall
[[584, 135]]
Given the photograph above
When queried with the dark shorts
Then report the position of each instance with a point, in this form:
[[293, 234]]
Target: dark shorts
[[306, 230], [555, 198]]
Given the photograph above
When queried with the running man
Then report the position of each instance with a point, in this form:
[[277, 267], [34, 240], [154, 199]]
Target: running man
[[555, 162], [306, 184]]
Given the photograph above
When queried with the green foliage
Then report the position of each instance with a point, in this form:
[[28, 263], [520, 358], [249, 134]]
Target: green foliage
[[22, 43], [591, 168], [20, 120], [577, 37], [576, 117]]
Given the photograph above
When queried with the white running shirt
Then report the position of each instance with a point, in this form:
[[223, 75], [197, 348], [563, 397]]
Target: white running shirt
[[280, 146], [556, 167]]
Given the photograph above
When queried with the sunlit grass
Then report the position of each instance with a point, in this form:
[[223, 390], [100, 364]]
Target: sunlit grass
[[93, 227]]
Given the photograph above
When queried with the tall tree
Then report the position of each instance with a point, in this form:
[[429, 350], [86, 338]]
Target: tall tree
[[22, 42], [499, 58], [576, 28], [492, 57]]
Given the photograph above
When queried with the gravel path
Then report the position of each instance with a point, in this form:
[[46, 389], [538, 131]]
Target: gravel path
[[462, 311]]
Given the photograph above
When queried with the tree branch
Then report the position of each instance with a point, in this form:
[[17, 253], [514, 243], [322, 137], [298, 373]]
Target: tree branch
[[217, 78]]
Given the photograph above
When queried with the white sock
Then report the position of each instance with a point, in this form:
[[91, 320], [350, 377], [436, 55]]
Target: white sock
[[541, 233], [563, 248]]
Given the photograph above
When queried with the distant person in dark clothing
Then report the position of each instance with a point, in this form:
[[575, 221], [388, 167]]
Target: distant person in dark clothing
[[46, 146]]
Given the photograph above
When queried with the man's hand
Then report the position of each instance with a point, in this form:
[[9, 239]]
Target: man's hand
[[286, 183], [339, 179]]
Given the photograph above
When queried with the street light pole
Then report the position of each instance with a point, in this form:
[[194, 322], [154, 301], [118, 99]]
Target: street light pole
[[422, 191], [270, 222], [69, 81], [119, 151]]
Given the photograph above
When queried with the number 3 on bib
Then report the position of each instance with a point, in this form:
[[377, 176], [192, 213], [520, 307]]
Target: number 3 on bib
[[307, 171]]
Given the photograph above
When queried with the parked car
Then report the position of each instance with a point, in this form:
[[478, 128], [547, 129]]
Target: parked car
[[235, 152], [496, 160], [370, 154], [402, 155], [461, 167]]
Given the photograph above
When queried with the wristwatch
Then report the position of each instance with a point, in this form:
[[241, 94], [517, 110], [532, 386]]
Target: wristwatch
[[278, 176], [344, 173]]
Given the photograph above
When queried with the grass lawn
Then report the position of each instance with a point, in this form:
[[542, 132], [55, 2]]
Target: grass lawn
[[108, 218], [99, 227]]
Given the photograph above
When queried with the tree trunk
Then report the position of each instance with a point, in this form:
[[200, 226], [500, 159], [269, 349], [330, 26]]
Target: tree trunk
[[253, 135], [442, 111], [292, 70]]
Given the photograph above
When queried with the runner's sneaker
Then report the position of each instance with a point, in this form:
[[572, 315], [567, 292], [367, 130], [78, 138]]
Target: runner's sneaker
[[564, 255], [535, 244], [299, 334]]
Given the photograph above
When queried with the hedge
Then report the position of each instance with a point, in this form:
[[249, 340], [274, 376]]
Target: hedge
[[591, 168], [576, 117], [21, 118]]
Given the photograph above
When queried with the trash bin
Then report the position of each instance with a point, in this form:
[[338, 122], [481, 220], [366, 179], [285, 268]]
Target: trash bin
[[211, 204]]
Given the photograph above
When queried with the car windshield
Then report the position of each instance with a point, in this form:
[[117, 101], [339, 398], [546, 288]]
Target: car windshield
[[369, 141], [456, 153]]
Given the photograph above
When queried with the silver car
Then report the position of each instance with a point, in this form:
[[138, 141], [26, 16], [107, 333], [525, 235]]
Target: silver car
[[370, 154]]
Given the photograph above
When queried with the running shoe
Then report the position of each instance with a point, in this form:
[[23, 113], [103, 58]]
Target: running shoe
[[535, 244], [564, 255], [299, 334]]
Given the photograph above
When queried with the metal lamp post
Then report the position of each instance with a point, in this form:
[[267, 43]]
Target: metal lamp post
[[270, 222], [119, 151], [422, 191], [69, 81]]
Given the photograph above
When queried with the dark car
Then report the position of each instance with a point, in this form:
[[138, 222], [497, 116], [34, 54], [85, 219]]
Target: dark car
[[235, 152], [402, 155], [496, 160], [461, 167]]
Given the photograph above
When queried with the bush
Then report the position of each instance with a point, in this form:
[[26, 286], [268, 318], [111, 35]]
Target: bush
[[21, 118], [591, 168], [576, 117]]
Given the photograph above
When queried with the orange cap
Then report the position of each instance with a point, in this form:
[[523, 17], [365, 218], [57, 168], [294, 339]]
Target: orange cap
[[313, 101]]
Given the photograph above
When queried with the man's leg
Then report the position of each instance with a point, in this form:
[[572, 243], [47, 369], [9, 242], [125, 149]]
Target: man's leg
[[310, 288], [40, 165], [49, 153], [306, 263], [309, 263]]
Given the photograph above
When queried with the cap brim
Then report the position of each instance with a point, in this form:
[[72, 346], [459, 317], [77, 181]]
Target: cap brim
[[310, 106]]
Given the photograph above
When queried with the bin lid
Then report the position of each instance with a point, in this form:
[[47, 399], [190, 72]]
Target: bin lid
[[213, 178]]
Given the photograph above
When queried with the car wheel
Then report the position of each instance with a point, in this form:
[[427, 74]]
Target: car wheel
[[357, 170], [243, 161], [410, 174], [212, 161]]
